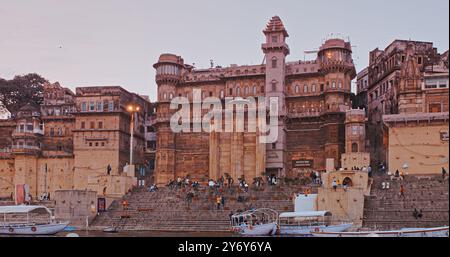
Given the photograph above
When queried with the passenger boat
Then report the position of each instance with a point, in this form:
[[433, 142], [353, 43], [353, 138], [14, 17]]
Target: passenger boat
[[405, 232], [258, 222], [305, 222], [29, 220]]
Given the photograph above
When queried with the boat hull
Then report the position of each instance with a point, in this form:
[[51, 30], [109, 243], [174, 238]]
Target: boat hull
[[45, 229], [259, 230], [307, 230], [424, 232]]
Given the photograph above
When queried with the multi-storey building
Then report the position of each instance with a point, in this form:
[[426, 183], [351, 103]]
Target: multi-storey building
[[362, 85], [74, 141], [407, 77], [313, 97]]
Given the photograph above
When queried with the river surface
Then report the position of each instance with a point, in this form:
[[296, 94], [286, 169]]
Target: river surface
[[141, 234]]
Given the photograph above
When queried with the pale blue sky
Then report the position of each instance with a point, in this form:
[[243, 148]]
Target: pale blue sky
[[116, 42]]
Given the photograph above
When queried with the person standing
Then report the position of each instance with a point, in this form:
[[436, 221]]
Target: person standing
[[222, 202], [402, 191], [444, 173], [218, 202], [334, 185]]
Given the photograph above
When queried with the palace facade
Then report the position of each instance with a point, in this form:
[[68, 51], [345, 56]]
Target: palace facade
[[75, 141], [313, 98]]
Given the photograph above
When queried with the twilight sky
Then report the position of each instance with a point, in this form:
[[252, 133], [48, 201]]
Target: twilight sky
[[116, 42]]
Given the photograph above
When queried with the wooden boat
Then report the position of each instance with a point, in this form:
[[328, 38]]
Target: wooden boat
[[405, 232], [258, 222], [305, 222], [29, 220], [111, 230]]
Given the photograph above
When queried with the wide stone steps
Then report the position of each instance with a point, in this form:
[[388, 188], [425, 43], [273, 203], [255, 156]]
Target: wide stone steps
[[168, 210], [386, 209]]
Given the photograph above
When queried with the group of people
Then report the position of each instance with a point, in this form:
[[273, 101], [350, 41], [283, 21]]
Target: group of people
[[336, 183], [315, 177], [182, 183]]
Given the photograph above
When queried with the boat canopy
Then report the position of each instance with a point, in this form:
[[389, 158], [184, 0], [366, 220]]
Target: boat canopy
[[305, 214], [24, 209]]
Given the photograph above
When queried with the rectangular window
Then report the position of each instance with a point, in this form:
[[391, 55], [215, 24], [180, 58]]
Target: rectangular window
[[111, 106], [52, 132], [30, 128], [322, 87], [100, 124], [83, 107], [274, 145], [92, 106], [230, 91], [274, 86], [274, 39], [99, 106], [355, 130], [83, 125], [92, 125]]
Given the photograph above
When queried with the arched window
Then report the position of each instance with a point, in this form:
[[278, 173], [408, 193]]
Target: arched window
[[333, 85], [314, 88], [222, 94], [354, 147], [246, 90], [340, 84], [274, 85], [238, 91], [274, 62], [297, 89], [254, 90], [165, 96], [305, 88]]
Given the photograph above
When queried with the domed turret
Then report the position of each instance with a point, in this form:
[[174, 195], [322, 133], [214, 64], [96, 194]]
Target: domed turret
[[168, 69], [335, 55]]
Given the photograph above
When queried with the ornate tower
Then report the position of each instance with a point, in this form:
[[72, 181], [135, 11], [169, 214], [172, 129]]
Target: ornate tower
[[410, 91], [168, 74], [355, 140], [336, 63], [276, 50], [355, 131]]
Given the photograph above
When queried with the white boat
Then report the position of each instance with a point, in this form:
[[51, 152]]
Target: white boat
[[405, 232], [259, 222], [29, 220], [305, 222]]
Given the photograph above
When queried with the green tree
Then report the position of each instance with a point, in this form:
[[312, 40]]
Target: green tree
[[21, 90]]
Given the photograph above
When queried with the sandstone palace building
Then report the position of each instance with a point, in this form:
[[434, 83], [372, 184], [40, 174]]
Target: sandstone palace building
[[314, 98], [75, 140]]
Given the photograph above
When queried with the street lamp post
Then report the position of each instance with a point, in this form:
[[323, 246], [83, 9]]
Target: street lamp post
[[132, 109]]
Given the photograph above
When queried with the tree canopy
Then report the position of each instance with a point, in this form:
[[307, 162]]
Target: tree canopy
[[21, 90]]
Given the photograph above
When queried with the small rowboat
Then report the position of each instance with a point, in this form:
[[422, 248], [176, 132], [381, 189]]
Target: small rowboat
[[405, 232]]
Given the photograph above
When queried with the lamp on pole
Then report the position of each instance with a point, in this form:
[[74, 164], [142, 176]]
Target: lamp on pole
[[132, 109]]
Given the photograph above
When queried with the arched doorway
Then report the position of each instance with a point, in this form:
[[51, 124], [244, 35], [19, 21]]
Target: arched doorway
[[354, 147], [347, 182]]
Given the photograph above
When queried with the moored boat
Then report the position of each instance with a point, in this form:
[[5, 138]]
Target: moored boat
[[405, 232], [259, 222], [305, 222], [29, 220]]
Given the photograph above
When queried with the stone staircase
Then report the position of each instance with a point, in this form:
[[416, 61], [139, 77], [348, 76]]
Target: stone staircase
[[167, 210], [386, 209]]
